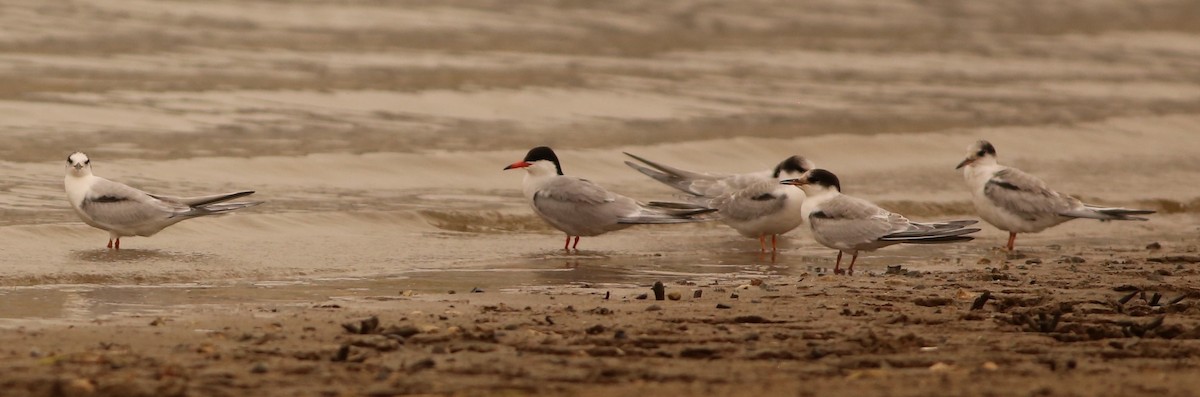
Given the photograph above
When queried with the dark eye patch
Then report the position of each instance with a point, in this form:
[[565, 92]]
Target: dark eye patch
[[981, 153], [88, 161]]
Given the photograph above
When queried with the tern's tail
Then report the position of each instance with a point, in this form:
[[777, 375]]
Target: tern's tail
[[1107, 214], [663, 215], [670, 176], [934, 233], [216, 209], [226, 207]]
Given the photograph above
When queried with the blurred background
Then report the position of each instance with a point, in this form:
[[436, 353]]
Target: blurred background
[[377, 130]]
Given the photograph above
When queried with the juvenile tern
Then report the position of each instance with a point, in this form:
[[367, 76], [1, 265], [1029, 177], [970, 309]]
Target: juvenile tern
[[754, 204], [1017, 202], [579, 207], [124, 211], [850, 224]]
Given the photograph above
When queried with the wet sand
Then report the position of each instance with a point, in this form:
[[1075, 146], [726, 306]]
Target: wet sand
[[377, 132]]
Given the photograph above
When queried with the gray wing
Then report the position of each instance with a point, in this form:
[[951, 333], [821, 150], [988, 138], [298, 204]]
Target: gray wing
[[699, 184], [752, 202], [117, 205], [854, 221], [580, 207], [1025, 195]]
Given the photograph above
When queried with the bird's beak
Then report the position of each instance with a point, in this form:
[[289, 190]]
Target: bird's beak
[[78, 166], [794, 182], [519, 164], [965, 162]]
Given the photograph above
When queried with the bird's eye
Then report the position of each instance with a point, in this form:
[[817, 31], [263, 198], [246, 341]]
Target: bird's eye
[[88, 161], [981, 153]]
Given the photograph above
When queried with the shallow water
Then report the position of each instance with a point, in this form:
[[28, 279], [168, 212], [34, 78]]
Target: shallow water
[[380, 154]]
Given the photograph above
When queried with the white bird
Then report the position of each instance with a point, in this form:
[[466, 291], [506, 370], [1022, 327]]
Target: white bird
[[1016, 202], [850, 224], [754, 204], [579, 207], [124, 211]]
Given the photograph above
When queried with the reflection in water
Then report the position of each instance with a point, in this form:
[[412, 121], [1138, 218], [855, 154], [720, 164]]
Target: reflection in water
[[105, 255]]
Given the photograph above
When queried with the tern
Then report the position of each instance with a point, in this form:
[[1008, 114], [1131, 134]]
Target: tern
[[579, 207], [1017, 202], [124, 211], [850, 224], [754, 204]]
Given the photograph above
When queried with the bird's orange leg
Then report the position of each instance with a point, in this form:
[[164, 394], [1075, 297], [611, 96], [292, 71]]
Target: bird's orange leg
[[109, 244], [1012, 238], [762, 243], [837, 266], [117, 246], [773, 245], [850, 271], [576, 245], [567, 245]]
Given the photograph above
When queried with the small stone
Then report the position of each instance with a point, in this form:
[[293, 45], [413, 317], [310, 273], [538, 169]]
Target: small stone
[[723, 306], [733, 295], [940, 367], [451, 292], [696, 294], [984, 261], [653, 308], [407, 292], [674, 295], [641, 297], [158, 321], [476, 290], [659, 290], [895, 269], [1155, 246], [78, 387], [756, 282], [990, 366], [1072, 259], [1034, 261], [259, 368], [595, 329]]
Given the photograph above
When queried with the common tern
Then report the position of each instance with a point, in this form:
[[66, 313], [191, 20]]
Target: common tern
[[1017, 202], [124, 211], [850, 224], [754, 204], [579, 207]]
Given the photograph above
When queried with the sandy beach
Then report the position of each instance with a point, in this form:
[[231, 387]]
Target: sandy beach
[[377, 131]]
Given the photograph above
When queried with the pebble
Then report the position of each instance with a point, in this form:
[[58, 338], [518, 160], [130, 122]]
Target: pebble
[[259, 368], [653, 308], [990, 366], [1154, 246], [674, 296], [696, 294], [940, 367], [642, 297], [1034, 261], [723, 306], [659, 290], [78, 387]]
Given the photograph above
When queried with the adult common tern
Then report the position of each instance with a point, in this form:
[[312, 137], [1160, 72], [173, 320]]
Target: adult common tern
[[849, 224], [1017, 202], [579, 207], [124, 211], [754, 204]]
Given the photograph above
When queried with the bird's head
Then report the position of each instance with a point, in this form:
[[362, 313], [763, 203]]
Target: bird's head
[[981, 152]]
